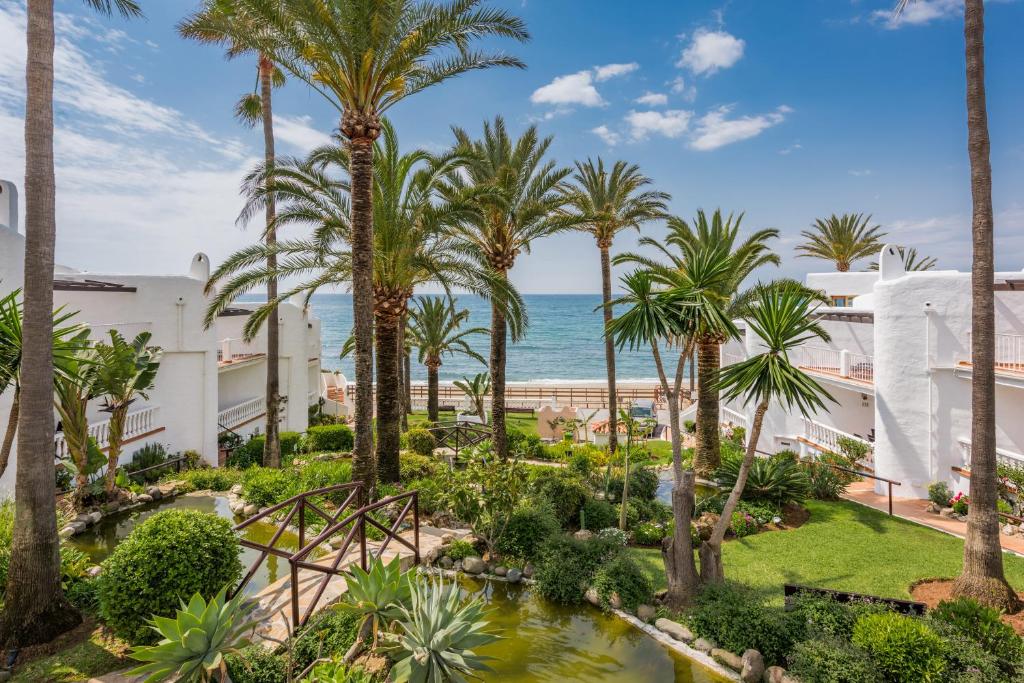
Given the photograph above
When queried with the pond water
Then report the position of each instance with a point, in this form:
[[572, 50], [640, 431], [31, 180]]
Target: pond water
[[100, 540], [666, 481], [545, 642]]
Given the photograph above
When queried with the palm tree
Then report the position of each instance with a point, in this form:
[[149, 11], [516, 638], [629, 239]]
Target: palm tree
[[842, 239], [436, 330], [73, 389], [507, 196], [715, 241], [35, 609], [364, 56], [476, 389], [124, 371], [911, 260], [218, 22], [782, 316], [609, 203]]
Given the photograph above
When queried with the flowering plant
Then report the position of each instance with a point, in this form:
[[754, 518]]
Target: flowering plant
[[959, 503]]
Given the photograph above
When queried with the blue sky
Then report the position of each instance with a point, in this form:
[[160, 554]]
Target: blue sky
[[787, 111]]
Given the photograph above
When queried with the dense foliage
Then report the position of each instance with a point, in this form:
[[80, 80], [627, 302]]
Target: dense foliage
[[421, 441], [566, 566], [528, 528], [904, 649], [336, 438], [622, 577], [251, 452], [775, 481]]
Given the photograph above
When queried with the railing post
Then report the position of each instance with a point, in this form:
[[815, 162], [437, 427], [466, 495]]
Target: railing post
[[295, 593], [416, 524], [225, 349], [890, 498], [302, 523], [362, 542], [844, 363]]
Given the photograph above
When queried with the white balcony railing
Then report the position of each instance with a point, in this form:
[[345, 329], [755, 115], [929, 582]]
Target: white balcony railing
[[1002, 455], [136, 424], [245, 411], [233, 348], [827, 438], [1009, 352], [836, 362], [734, 416]]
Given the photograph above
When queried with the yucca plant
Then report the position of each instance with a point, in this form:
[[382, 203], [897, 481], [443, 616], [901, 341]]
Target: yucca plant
[[436, 636], [195, 641], [378, 594]]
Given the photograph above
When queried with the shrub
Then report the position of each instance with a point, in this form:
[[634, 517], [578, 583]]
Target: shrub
[[414, 466], [969, 662], [742, 524], [613, 535], [566, 492], [150, 455], [566, 566], [690, 426], [825, 482], [960, 503], [321, 474], [982, 625], [251, 452], [829, 619], [651, 510], [581, 463], [527, 530], [209, 478], [333, 438], [773, 481], [621, 575], [764, 514], [329, 632], [460, 550], [263, 486], [648, 533], [421, 441], [430, 494], [256, 664], [940, 493], [170, 556], [831, 661], [737, 620], [643, 483], [903, 648], [597, 514]]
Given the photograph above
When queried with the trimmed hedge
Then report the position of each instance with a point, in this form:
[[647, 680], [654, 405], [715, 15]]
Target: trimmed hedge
[[903, 648], [527, 530], [332, 438], [421, 441], [251, 452]]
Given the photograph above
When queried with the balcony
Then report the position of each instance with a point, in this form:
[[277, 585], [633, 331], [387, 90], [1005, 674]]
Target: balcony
[[138, 425], [235, 351], [836, 364], [242, 413], [822, 437], [1009, 350]]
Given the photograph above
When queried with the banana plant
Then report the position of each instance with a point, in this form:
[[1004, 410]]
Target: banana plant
[[476, 389], [196, 639], [377, 593]]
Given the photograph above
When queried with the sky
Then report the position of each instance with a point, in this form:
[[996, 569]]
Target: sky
[[784, 111]]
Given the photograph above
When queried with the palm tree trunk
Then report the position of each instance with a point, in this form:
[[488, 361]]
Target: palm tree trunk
[[404, 399], [12, 429], [272, 445], [708, 455], [609, 349], [677, 549], [407, 361], [693, 375], [388, 398], [982, 577], [361, 132], [432, 391], [35, 609], [115, 433], [711, 570], [499, 335]]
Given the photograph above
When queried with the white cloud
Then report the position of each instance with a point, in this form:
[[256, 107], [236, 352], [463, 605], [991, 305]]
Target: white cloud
[[710, 51], [298, 132], [860, 172], [679, 87], [603, 73], [610, 137], [918, 13], [577, 88], [792, 148], [652, 99], [670, 123], [715, 129]]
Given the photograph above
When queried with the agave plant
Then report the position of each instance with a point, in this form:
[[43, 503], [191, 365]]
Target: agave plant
[[378, 594], [337, 672], [195, 641], [436, 636]]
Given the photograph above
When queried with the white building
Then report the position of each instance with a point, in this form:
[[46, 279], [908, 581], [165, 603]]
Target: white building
[[899, 368], [210, 380]]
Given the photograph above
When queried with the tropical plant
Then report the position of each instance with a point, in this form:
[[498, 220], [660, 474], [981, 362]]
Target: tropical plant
[[911, 260], [782, 316], [436, 635], [377, 594], [709, 257], [35, 607], [609, 202], [193, 644], [485, 495], [841, 239], [476, 389], [124, 371], [435, 330], [364, 56], [507, 195], [776, 481], [73, 389]]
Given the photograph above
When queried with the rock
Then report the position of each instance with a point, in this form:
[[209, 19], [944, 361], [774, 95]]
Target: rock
[[457, 566], [145, 498], [79, 527], [84, 518], [703, 645], [705, 525], [726, 658], [583, 535], [934, 508], [111, 506], [155, 492], [445, 562], [514, 576], [447, 538], [236, 489], [753, 667], [66, 532], [774, 674], [500, 570], [528, 571], [431, 556], [1009, 530], [674, 629], [473, 565], [592, 597], [95, 517], [5, 674], [615, 601], [645, 612], [250, 510], [947, 512], [94, 570]]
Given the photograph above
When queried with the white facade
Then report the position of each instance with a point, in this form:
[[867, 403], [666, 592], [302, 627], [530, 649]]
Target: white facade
[[209, 380], [898, 366]]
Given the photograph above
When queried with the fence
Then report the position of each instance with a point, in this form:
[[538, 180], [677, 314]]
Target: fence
[[829, 437], [236, 348], [460, 435], [136, 424], [246, 411], [1009, 352], [836, 362], [534, 396]]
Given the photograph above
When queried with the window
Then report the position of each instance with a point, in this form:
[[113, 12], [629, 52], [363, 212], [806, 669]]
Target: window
[[842, 300]]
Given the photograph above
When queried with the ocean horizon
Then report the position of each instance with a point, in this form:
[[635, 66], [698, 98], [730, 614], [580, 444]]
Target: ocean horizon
[[563, 342]]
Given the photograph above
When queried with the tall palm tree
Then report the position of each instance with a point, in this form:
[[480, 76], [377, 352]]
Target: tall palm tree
[[507, 196], [983, 577], [841, 239], [687, 246], [436, 331], [218, 22], [124, 371], [911, 260], [35, 609], [782, 316], [365, 56], [609, 203]]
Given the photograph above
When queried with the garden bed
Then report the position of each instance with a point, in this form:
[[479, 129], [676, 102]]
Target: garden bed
[[933, 591]]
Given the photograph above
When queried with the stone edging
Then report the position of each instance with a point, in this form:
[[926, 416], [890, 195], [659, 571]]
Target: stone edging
[[85, 520], [679, 646]]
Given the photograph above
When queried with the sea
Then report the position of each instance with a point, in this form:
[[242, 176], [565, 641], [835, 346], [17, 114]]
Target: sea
[[564, 341]]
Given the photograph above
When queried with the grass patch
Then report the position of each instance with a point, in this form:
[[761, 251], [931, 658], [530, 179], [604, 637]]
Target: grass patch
[[524, 423], [84, 653], [843, 546]]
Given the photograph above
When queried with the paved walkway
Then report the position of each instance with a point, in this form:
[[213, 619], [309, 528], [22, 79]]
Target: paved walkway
[[915, 510]]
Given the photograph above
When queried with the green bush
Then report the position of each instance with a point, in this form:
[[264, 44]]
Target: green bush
[[773, 481], [651, 510], [460, 550], [832, 661], [421, 441], [256, 664], [430, 495], [742, 524], [623, 576], [982, 625], [830, 619], [597, 514], [332, 438], [737, 620], [825, 482], [169, 557], [764, 514], [904, 649], [251, 452], [969, 662], [940, 493], [528, 528], [329, 633], [321, 474], [566, 492], [580, 463], [643, 484], [6, 534], [208, 478], [566, 566], [648, 533], [414, 466], [690, 426], [264, 486], [150, 455]]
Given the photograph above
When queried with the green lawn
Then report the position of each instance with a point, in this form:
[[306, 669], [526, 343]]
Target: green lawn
[[92, 656], [522, 422], [844, 546]]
